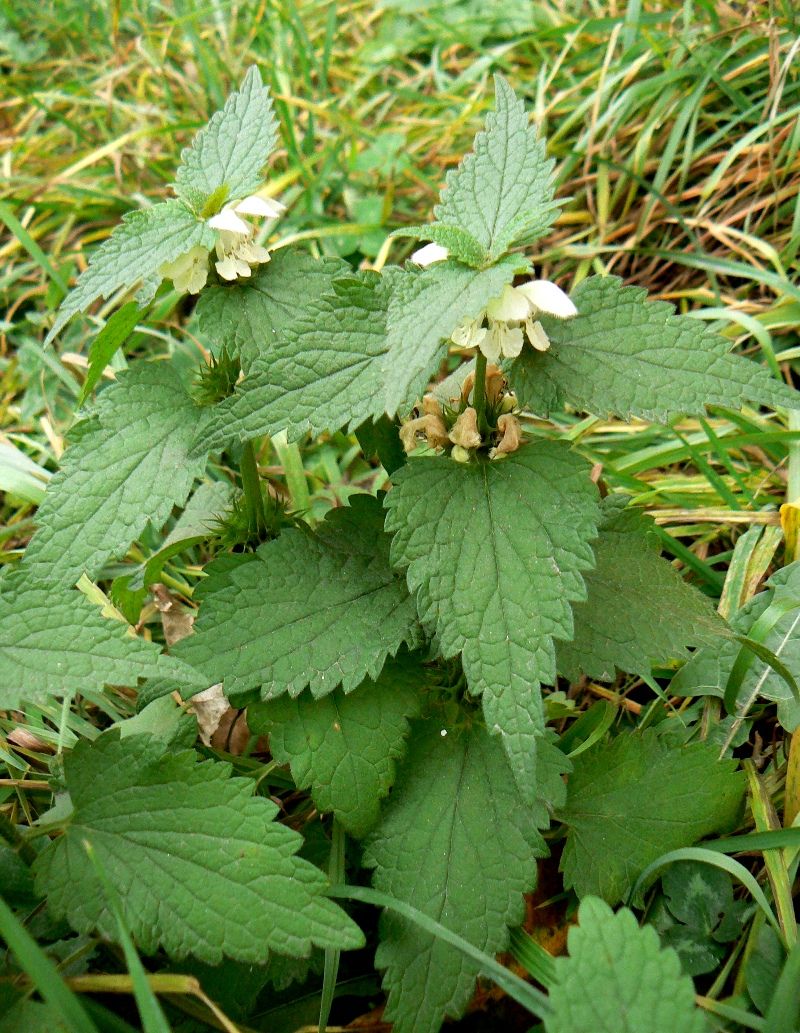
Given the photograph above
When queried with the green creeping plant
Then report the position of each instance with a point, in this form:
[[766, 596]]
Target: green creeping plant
[[401, 653]]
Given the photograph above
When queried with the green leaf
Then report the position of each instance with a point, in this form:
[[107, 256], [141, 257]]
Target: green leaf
[[58, 643], [29, 1016], [627, 356], [502, 192], [313, 610], [231, 151], [164, 719], [708, 671], [250, 317], [134, 252], [323, 371], [461, 244], [638, 610], [199, 520], [206, 869], [495, 553], [633, 799], [381, 439], [344, 747], [425, 307], [114, 334], [618, 979], [127, 466], [457, 841]]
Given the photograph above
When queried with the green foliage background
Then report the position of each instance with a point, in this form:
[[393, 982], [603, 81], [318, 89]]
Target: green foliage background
[[675, 137]]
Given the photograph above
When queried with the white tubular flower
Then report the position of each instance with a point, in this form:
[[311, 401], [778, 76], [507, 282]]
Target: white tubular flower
[[497, 331], [429, 254], [469, 334], [544, 298], [536, 335], [511, 306], [189, 271], [548, 298], [236, 250], [502, 340]]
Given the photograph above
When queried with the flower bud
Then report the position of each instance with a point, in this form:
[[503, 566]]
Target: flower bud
[[461, 455], [509, 403], [495, 382], [409, 432], [431, 426], [509, 427], [436, 431], [431, 405], [465, 430]]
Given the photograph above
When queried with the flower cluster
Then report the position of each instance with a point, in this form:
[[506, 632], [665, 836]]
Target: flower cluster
[[454, 424], [500, 330], [236, 250]]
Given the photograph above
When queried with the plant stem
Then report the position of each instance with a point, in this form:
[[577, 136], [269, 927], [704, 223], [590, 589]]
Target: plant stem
[[292, 462], [251, 484], [479, 393], [336, 873]]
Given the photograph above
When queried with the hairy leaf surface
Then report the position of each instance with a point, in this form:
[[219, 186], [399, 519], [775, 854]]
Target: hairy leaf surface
[[58, 643], [495, 553], [618, 979], [127, 466], [639, 609], [344, 747], [323, 371], [460, 244], [456, 841], [502, 192], [633, 799], [313, 610], [205, 868], [627, 356], [251, 317], [232, 149], [134, 252]]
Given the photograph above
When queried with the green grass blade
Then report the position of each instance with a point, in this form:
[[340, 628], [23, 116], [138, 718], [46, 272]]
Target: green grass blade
[[153, 1018], [528, 996], [43, 973], [777, 839], [336, 870], [532, 956], [784, 1010], [717, 860], [30, 245]]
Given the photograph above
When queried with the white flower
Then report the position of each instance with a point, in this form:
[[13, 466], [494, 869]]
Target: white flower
[[512, 305], [507, 314], [545, 296], [189, 271], [469, 334], [235, 248], [429, 254], [536, 335], [502, 340]]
